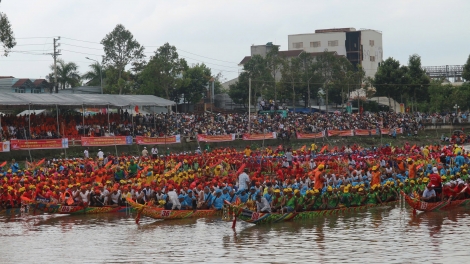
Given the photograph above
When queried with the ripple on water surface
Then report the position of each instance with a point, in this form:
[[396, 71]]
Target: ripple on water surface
[[388, 234]]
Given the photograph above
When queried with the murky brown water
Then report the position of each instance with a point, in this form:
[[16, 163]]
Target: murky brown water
[[386, 235]]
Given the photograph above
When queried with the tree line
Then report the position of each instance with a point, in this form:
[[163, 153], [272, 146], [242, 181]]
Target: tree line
[[332, 78], [126, 71]]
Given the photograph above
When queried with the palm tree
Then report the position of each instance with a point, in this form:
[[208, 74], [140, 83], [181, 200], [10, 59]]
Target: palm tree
[[67, 74], [94, 75]]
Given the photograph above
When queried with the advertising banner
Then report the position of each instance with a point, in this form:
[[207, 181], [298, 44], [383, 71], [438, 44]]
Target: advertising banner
[[310, 136], [259, 136], [364, 132], [216, 138], [157, 141], [5, 146], [22, 144], [106, 141], [341, 133]]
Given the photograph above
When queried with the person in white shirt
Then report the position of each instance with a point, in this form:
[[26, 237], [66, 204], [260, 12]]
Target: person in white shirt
[[100, 154], [429, 195], [154, 152], [86, 154], [262, 204], [243, 180], [145, 152], [173, 199]]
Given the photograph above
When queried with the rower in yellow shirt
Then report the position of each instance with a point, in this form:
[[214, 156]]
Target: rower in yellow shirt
[[425, 152], [313, 147], [247, 151]]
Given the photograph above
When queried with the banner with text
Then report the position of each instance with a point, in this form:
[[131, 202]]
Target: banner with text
[[106, 141], [22, 144], [341, 133], [259, 136], [364, 132], [156, 141], [5, 146], [310, 136], [216, 138]]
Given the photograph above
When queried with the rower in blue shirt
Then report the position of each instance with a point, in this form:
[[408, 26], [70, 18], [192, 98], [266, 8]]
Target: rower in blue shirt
[[243, 196], [218, 200]]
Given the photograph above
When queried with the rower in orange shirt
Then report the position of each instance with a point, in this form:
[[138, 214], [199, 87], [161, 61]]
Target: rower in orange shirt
[[411, 169], [375, 176], [318, 177]]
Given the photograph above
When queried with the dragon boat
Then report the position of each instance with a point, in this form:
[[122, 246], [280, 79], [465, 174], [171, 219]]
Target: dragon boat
[[249, 216], [15, 211], [422, 206], [160, 213], [52, 208]]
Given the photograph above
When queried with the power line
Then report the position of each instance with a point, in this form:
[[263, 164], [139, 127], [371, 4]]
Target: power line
[[80, 46]]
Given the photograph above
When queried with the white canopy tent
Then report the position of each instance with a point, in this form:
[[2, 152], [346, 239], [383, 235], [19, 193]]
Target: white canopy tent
[[105, 100]]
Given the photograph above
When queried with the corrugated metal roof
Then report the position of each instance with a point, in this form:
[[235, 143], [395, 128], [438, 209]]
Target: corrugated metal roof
[[22, 99]]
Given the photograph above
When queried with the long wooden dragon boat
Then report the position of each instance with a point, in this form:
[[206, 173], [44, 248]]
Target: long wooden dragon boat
[[15, 211], [74, 209], [252, 217], [422, 206], [160, 213]]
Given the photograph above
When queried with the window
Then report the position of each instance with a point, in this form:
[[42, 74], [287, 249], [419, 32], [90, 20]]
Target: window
[[372, 58], [298, 45], [19, 90], [371, 42], [315, 44], [36, 91], [332, 43]]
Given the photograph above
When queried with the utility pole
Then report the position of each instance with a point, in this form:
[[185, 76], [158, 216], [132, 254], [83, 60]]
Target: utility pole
[[55, 54]]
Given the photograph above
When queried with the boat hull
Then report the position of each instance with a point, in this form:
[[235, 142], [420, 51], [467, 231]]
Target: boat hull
[[433, 207], [78, 210], [268, 218], [161, 213]]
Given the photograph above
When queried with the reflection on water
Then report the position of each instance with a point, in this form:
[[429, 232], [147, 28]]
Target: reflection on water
[[384, 234]]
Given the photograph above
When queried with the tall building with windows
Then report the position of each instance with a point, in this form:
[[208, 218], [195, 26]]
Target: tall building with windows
[[361, 47]]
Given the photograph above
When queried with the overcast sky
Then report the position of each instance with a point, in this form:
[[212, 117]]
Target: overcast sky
[[220, 33]]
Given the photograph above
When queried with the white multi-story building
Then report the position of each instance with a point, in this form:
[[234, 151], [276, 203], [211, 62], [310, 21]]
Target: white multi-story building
[[363, 47]]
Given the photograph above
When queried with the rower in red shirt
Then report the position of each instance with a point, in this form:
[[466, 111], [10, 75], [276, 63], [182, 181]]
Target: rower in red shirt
[[435, 180]]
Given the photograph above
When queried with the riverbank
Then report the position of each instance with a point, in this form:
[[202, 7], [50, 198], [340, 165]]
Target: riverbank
[[425, 137]]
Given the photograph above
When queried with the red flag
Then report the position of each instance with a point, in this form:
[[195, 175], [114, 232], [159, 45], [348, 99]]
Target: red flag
[[136, 108], [242, 167], [41, 162], [324, 148], [107, 164], [3, 164]]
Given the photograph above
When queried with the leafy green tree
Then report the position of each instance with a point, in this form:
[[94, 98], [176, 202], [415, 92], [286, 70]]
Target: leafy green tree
[[466, 70], [238, 91], [274, 65], [218, 88], [291, 76], [417, 79], [67, 74], [163, 74], [7, 38], [93, 76], [194, 84], [120, 49], [340, 79], [391, 79], [308, 75], [260, 76]]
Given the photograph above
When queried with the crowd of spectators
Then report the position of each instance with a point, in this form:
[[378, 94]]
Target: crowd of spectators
[[190, 124]]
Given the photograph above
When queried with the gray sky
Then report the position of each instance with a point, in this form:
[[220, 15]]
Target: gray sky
[[220, 33]]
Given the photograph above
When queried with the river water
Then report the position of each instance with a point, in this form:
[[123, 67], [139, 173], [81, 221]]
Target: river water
[[386, 235]]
